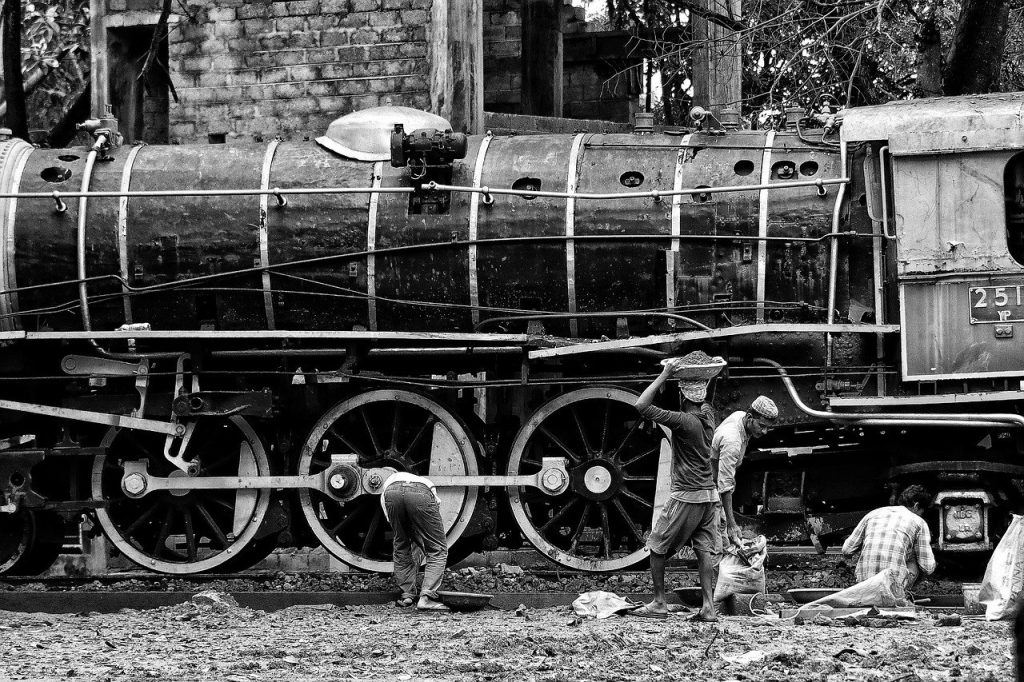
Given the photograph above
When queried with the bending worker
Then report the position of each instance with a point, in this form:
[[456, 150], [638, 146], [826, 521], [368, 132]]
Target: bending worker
[[691, 512], [413, 509], [729, 445], [895, 537]]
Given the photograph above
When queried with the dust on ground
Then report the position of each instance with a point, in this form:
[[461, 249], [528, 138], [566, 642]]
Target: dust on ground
[[211, 638]]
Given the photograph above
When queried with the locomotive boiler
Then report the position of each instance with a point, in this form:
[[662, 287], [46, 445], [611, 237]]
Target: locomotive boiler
[[214, 350]]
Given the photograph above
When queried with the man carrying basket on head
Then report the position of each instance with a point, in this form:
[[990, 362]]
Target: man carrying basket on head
[[691, 512]]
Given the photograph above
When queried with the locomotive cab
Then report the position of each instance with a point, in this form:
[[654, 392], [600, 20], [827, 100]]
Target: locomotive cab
[[945, 179]]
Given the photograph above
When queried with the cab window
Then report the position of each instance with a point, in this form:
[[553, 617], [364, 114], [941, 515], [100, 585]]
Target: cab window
[[1013, 186]]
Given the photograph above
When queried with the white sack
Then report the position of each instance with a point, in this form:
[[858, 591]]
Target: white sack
[[1004, 576]]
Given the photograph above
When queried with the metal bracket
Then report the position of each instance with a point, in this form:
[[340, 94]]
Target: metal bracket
[[78, 365], [16, 476], [963, 520], [223, 404], [190, 467], [85, 364]]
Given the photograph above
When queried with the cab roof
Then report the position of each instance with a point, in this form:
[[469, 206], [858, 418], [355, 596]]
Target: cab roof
[[941, 124]]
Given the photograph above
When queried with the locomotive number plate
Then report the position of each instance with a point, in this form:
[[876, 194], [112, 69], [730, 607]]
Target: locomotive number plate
[[997, 304]]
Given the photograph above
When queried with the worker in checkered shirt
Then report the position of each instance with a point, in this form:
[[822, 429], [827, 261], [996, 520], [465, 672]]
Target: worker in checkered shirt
[[895, 537]]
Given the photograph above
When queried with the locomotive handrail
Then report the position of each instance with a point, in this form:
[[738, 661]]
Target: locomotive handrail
[[833, 259], [563, 316], [57, 195], [979, 420], [724, 332], [656, 194]]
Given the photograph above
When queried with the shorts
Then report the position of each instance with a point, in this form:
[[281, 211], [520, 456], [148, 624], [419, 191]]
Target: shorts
[[682, 522]]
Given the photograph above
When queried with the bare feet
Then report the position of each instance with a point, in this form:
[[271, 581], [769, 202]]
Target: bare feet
[[656, 606], [647, 612]]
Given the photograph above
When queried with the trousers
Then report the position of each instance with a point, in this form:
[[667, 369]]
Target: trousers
[[415, 517]]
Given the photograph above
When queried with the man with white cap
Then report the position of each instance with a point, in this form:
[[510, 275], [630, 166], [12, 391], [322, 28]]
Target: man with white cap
[[729, 445], [690, 514], [413, 509]]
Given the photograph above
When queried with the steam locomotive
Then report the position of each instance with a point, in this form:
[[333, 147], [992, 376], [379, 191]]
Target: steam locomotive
[[213, 351]]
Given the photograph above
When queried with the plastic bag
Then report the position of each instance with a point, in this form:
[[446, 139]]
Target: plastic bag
[[600, 604], [742, 571], [1004, 576], [885, 589]]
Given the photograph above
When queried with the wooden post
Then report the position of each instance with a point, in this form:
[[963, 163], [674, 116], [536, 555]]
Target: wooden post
[[542, 57], [98, 76], [718, 60], [455, 52]]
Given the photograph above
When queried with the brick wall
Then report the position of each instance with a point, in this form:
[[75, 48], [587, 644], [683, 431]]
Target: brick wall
[[597, 88], [259, 68], [502, 46]]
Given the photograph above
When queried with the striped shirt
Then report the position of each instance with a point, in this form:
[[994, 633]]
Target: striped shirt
[[890, 537]]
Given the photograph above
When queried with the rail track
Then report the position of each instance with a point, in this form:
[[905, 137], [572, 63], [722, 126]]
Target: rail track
[[510, 585]]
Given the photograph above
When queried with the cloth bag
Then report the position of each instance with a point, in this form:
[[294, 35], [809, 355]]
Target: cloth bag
[[598, 604], [1004, 576], [741, 571], [885, 589]]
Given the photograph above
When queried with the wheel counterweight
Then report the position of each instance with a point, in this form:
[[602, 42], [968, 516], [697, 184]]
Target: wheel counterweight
[[601, 522], [183, 531], [385, 428]]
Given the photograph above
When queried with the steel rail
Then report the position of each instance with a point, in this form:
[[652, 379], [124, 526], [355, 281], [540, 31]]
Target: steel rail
[[656, 194]]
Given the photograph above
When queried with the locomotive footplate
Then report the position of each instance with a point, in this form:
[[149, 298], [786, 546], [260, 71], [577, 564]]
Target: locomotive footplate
[[344, 480]]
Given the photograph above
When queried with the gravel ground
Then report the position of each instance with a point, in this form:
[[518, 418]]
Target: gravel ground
[[210, 638]]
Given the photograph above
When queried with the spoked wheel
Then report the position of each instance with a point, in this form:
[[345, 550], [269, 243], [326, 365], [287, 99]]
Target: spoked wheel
[[30, 541], [189, 531], [601, 522], [386, 428]]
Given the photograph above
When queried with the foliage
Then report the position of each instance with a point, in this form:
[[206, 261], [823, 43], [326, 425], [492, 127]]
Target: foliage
[[50, 29], [799, 52]]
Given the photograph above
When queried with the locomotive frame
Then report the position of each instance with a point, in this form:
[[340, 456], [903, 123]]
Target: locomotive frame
[[205, 410]]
